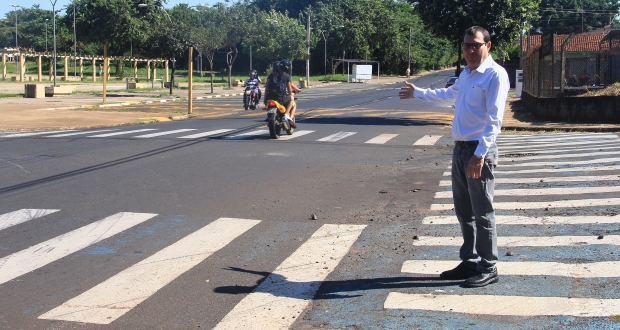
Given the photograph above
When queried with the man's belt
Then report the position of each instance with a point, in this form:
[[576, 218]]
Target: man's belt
[[465, 144]]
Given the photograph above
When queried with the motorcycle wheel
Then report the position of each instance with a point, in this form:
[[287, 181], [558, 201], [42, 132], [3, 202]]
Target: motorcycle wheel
[[273, 130]]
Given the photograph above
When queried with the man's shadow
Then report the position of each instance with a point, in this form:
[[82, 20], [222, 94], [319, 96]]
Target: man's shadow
[[278, 285]]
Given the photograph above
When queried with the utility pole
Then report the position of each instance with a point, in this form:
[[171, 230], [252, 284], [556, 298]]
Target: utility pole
[[308, 49], [74, 44], [409, 53], [54, 28]]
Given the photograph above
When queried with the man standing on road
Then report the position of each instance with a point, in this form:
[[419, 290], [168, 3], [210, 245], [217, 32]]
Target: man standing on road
[[480, 93]]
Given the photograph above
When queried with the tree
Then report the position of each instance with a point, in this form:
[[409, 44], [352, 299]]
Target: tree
[[171, 37], [228, 19], [208, 39], [503, 19], [568, 16], [279, 37], [31, 29]]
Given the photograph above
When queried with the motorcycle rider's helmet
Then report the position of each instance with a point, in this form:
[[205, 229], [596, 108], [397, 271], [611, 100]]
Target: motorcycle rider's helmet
[[285, 66], [253, 74], [276, 66]]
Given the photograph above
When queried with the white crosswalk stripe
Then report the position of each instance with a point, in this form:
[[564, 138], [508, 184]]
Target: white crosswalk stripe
[[205, 134], [594, 186], [146, 136], [247, 135], [381, 139], [39, 255], [20, 216], [32, 134], [427, 140], [81, 133], [505, 305], [122, 133], [524, 268], [289, 289], [336, 137], [297, 134], [118, 295]]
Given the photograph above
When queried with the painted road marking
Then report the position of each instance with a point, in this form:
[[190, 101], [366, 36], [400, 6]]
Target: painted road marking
[[121, 133], [296, 134], [427, 140], [540, 205], [116, 296], [544, 191], [39, 255], [564, 139], [381, 139], [204, 134], [336, 137], [565, 149], [523, 220], [247, 135], [536, 144], [33, 133], [286, 292], [516, 241], [554, 137], [20, 216], [523, 268], [165, 133], [81, 133], [515, 160], [592, 178], [505, 305], [592, 161]]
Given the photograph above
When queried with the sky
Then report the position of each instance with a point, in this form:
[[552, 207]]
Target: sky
[[5, 5]]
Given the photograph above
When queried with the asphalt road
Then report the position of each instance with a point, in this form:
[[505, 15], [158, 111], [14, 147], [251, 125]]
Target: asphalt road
[[183, 225]]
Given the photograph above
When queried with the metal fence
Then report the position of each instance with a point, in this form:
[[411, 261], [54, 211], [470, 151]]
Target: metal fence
[[572, 64]]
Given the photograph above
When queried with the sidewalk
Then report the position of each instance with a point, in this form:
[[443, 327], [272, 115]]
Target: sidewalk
[[88, 111]]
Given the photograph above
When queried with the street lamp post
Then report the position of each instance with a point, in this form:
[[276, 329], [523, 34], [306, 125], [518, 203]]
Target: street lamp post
[[74, 45], [54, 31], [308, 48], [16, 44]]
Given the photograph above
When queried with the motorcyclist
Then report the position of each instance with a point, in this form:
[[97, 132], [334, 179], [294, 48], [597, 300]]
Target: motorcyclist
[[254, 83], [278, 78]]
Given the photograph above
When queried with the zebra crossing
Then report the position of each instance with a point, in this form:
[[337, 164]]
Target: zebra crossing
[[558, 224], [286, 291], [229, 134]]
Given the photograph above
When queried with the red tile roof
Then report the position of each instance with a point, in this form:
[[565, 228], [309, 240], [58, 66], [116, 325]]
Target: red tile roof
[[583, 42]]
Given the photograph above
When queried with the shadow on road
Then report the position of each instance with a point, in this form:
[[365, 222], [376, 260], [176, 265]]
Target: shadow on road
[[278, 285]]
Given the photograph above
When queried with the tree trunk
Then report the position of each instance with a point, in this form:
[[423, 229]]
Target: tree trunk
[[211, 72], [172, 75]]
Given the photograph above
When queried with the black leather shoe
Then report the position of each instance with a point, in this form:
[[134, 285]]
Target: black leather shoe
[[463, 271], [481, 279]]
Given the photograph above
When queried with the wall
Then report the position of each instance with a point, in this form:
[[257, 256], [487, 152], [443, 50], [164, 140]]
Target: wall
[[598, 109]]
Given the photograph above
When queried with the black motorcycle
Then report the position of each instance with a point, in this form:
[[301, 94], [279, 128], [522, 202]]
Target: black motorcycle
[[250, 98]]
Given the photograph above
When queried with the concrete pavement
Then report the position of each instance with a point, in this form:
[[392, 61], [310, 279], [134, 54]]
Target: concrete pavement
[[87, 110]]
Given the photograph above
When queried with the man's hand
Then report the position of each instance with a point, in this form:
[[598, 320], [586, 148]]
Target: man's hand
[[407, 91], [474, 169]]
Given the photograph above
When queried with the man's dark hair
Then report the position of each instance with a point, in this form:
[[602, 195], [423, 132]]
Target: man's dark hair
[[475, 29]]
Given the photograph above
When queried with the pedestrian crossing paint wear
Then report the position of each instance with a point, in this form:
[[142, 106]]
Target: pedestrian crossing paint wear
[[39, 255], [118, 295]]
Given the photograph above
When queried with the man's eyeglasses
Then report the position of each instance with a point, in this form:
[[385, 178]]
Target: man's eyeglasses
[[475, 45]]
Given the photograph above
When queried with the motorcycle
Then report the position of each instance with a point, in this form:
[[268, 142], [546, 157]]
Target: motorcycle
[[275, 113], [250, 98]]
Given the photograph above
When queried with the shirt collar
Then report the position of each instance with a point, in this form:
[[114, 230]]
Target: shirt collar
[[484, 65]]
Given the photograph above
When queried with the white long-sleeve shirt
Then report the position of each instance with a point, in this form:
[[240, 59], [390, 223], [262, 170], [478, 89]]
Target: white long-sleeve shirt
[[480, 101]]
